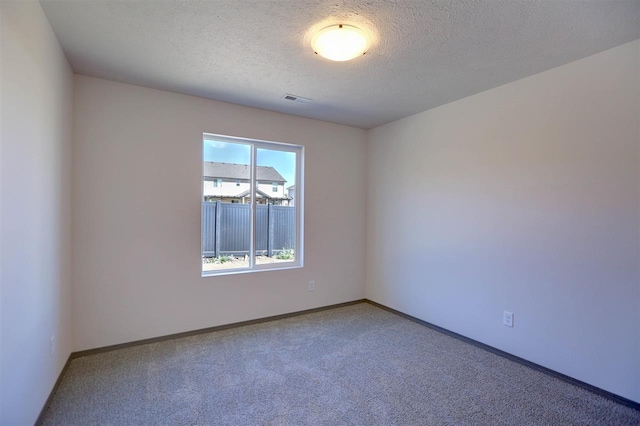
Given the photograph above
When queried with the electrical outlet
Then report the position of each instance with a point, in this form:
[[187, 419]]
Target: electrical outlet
[[51, 344], [507, 319], [312, 286]]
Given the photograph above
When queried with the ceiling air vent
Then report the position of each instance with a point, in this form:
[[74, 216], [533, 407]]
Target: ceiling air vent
[[296, 98]]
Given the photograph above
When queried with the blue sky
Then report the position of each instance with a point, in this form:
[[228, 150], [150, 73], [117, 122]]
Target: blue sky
[[225, 152]]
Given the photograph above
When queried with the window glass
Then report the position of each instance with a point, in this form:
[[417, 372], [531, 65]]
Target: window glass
[[276, 236], [226, 223]]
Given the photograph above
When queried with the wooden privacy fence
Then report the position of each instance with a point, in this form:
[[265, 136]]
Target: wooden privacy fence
[[226, 226]]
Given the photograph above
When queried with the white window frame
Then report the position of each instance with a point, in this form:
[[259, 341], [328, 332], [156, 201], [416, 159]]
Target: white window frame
[[256, 144]]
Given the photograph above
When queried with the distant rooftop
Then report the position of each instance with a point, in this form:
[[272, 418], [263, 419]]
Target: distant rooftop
[[213, 169]]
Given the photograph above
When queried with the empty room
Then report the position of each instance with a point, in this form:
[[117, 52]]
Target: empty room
[[305, 212]]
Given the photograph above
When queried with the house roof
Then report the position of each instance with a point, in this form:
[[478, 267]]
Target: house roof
[[240, 171]]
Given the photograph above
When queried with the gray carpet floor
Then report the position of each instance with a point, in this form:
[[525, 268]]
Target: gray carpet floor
[[355, 365]]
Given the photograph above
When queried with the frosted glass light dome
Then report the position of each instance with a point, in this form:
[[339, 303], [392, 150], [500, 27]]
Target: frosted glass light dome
[[340, 42]]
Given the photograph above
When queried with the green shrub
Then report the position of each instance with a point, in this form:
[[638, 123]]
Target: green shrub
[[222, 259], [285, 254]]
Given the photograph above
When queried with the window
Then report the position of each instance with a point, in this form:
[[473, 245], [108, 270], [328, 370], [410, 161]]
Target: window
[[247, 227]]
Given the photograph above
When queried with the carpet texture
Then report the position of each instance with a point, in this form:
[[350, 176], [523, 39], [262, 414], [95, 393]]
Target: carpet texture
[[355, 365]]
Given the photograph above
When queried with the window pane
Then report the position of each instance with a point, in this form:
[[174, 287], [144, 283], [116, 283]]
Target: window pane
[[275, 212], [226, 208]]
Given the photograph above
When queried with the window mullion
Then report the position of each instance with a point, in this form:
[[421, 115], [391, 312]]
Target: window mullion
[[252, 241]]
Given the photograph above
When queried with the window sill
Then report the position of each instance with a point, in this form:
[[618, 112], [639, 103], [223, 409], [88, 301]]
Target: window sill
[[218, 273]]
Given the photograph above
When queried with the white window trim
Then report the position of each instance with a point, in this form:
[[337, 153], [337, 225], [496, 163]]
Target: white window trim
[[299, 217]]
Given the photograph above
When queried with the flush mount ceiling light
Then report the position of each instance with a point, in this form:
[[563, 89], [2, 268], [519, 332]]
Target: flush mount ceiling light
[[340, 42]]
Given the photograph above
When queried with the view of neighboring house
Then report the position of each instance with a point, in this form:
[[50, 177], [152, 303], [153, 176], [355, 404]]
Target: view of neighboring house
[[291, 193], [229, 183]]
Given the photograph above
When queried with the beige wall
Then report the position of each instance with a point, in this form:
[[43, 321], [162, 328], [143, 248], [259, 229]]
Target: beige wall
[[523, 198], [35, 162], [136, 205]]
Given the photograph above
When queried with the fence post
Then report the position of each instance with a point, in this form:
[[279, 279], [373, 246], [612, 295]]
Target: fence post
[[270, 236], [217, 235]]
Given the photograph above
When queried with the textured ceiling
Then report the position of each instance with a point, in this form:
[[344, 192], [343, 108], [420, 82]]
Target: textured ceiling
[[252, 52]]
